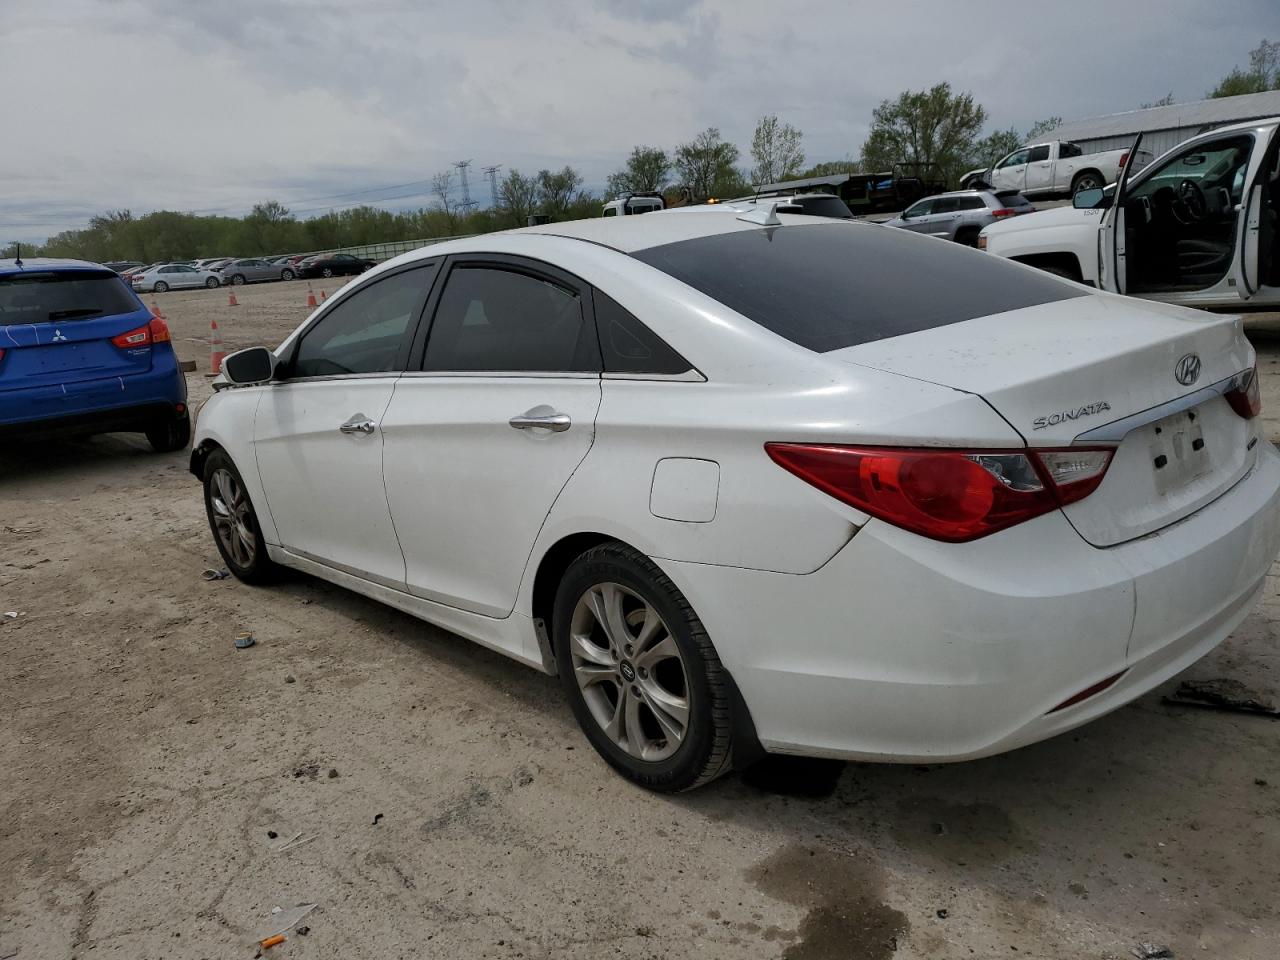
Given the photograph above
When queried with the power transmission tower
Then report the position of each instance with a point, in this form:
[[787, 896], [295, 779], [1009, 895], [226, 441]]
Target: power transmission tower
[[467, 203], [492, 173]]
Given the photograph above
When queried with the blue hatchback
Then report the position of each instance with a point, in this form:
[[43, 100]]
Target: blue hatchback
[[80, 353]]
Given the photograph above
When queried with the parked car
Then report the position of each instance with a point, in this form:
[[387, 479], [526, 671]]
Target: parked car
[[120, 266], [809, 204], [253, 269], [128, 274], [1199, 226], [630, 204], [332, 265], [961, 215], [217, 263], [81, 354], [1058, 168], [809, 487], [173, 276]]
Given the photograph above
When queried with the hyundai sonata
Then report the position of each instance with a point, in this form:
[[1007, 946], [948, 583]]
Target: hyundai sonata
[[750, 482]]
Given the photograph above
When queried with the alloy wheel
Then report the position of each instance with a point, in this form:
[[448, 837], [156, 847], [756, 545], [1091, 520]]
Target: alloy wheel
[[628, 666], [232, 516]]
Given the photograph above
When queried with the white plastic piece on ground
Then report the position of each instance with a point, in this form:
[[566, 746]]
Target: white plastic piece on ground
[[285, 919]]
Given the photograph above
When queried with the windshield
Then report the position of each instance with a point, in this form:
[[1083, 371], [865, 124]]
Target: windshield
[[49, 295], [830, 285]]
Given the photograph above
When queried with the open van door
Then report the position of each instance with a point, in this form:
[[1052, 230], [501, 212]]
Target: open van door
[[1254, 243], [1111, 232]]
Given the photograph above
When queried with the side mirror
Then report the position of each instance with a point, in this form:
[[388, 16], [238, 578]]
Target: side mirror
[[1087, 199], [253, 365]]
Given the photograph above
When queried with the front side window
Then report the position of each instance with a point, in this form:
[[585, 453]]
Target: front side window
[[610, 211], [363, 332], [1215, 168], [1039, 153], [921, 209], [1014, 159], [946, 205], [501, 320]]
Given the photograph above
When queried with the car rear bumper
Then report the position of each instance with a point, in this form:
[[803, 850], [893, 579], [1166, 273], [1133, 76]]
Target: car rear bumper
[[96, 406], [904, 649]]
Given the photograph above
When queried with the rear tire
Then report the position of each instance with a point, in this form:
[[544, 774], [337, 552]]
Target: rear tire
[[237, 279], [171, 435], [160, 287], [967, 236], [640, 672], [234, 522], [1087, 180]]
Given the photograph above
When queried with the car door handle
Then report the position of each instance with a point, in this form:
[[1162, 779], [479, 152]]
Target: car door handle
[[555, 422], [358, 423]]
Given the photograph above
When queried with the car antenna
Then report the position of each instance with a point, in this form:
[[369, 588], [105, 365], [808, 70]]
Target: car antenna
[[17, 255]]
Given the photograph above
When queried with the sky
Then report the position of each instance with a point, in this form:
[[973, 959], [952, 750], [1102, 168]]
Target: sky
[[214, 106]]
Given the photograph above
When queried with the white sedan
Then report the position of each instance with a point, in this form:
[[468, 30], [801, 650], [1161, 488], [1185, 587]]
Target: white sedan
[[756, 483], [173, 276]]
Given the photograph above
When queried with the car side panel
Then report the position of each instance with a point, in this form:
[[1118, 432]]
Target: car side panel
[[227, 419]]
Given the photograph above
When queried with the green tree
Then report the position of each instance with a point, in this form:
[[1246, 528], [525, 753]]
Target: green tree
[[924, 126], [519, 197], [1263, 73], [995, 146], [776, 151], [557, 191], [647, 170], [1040, 128], [829, 168], [705, 166], [1165, 101]]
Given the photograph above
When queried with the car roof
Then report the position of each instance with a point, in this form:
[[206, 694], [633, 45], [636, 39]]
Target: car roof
[[629, 234], [34, 264]]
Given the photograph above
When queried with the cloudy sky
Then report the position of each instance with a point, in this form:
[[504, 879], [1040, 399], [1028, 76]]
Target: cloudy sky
[[213, 106]]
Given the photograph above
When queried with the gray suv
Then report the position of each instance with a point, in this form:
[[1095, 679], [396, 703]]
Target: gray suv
[[961, 215]]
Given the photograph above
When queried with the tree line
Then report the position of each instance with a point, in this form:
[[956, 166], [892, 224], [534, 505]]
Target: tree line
[[934, 126]]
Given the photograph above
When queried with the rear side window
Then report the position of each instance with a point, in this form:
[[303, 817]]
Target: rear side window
[[972, 203], [830, 285], [363, 332], [501, 320], [1012, 198], [629, 346], [1066, 150], [51, 295]]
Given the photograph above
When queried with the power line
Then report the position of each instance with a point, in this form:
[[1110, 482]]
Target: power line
[[492, 173]]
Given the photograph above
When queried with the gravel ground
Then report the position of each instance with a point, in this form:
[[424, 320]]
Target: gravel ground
[[457, 812]]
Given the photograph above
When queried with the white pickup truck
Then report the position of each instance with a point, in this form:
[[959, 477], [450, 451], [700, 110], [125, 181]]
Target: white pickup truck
[[1200, 226], [1058, 168]]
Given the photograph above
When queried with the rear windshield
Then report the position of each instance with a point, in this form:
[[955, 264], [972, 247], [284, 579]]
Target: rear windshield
[[1012, 198], [42, 296], [832, 285]]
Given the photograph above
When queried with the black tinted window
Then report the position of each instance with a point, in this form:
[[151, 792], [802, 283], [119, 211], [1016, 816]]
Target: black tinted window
[[946, 205], [363, 332], [1012, 198], [825, 207], [628, 345], [1067, 150], [1039, 153], [972, 203], [832, 285], [923, 208], [491, 318], [43, 296]]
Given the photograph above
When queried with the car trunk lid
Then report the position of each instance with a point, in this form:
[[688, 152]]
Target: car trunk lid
[[1060, 371]]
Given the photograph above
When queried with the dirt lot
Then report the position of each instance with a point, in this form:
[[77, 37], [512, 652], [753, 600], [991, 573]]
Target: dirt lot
[[457, 812]]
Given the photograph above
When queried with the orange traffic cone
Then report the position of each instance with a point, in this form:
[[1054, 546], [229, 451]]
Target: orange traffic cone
[[216, 353], [311, 296], [155, 310], [231, 300], [322, 297]]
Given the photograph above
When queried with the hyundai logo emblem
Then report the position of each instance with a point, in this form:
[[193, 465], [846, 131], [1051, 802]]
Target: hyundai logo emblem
[[1188, 369]]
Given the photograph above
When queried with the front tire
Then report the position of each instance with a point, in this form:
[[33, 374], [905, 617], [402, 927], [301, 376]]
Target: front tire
[[170, 435], [234, 522], [286, 274], [640, 672], [160, 287], [212, 283], [327, 272]]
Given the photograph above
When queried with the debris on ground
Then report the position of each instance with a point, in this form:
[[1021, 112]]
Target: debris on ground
[[270, 942], [284, 919], [308, 770], [244, 640], [13, 615], [302, 931], [271, 834], [210, 573], [1151, 951], [289, 678], [376, 818], [942, 914], [1222, 694], [333, 773]]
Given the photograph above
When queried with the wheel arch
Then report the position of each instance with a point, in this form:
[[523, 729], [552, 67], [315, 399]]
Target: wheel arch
[[200, 453], [1084, 173]]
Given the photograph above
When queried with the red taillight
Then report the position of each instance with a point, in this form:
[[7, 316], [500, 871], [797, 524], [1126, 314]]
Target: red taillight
[[951, 495], [1, 354], [134, 338], [1004, 212], [1124, 158], [159, 330], [1245, 398]]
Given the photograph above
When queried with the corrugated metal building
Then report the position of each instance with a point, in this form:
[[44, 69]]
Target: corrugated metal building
[[1163, 128]]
